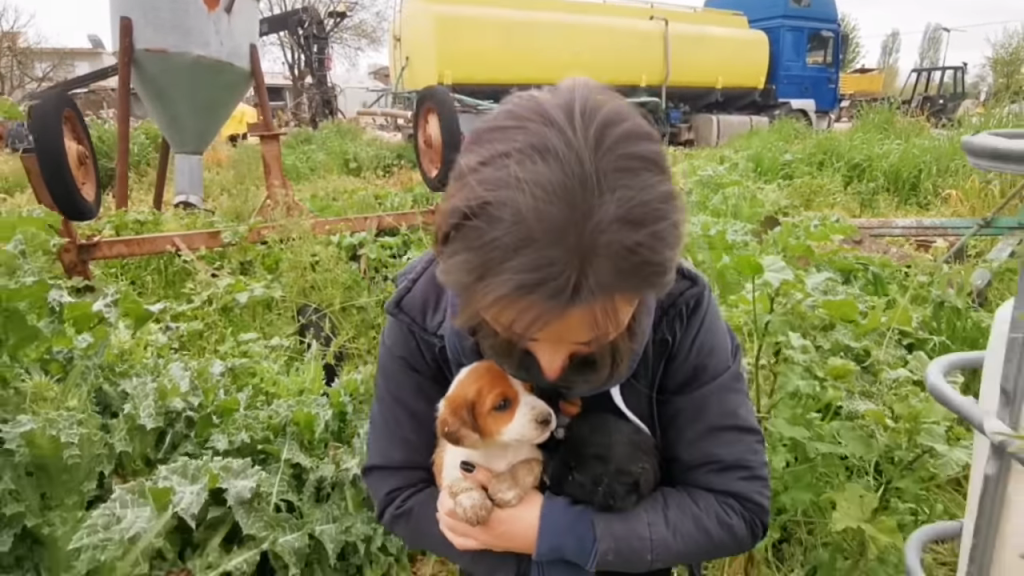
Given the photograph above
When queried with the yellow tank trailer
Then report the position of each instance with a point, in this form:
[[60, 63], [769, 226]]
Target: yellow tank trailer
[[702, 75], [465, 43]]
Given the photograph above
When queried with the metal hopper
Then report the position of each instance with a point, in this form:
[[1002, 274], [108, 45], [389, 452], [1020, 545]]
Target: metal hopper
[[190, 67]]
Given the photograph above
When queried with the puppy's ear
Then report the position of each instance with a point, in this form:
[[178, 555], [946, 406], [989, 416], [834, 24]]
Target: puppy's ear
[[457, 425]]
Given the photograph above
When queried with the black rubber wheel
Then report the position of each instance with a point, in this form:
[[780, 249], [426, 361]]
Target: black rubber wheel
[[437, 137], [66, 157], [800, 116]]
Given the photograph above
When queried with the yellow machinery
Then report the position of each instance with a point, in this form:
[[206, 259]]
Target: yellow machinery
[[862, 82], [859, 87], [465, 43], [237, 126]]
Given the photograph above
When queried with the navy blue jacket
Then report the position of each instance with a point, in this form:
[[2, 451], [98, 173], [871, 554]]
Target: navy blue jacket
[[688, 387]]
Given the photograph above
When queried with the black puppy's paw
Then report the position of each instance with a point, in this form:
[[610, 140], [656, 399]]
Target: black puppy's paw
[[605, 461]]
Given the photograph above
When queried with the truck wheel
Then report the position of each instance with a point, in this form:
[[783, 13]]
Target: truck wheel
[[800, 116], [437, 136], [66, 157]]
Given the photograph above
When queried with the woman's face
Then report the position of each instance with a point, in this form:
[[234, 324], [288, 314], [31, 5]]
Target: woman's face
[[574, 334]]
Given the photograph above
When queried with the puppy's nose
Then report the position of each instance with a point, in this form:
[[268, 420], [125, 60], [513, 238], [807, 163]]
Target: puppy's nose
[[544, 420]]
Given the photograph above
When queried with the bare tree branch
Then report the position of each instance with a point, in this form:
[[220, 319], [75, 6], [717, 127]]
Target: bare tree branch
[[24, 66], [363, 29]]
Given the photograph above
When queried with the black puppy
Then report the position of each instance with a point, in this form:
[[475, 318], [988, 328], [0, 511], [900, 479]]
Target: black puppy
[[317, 327], [604, 461]]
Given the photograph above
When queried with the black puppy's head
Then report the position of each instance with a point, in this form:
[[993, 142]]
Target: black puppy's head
[[606, 462]]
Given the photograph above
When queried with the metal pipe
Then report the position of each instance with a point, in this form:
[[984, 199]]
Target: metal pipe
[[984, 222], [170, 242], [966, 407], [260, 89], [385, 113], [913, 550], [161, 174], [937, 385], [668, 63], [124, 105]]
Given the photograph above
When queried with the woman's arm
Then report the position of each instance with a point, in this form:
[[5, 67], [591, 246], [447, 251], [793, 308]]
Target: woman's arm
[[401, 442], [716, 498]]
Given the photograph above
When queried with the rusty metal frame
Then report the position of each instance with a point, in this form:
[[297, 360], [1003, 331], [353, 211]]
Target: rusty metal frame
[[936, 227], [75, 254], [125, 53]]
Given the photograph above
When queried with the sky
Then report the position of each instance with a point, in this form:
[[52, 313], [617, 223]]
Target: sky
[[67, 22]]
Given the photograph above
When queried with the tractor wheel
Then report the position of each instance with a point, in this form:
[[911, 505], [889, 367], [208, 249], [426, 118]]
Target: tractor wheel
[[437, 136], [66, 157]]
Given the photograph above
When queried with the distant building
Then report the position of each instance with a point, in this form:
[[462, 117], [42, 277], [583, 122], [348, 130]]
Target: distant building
[[381, 74], [280, 92], [71, 62], [357, 91], [58, 63]]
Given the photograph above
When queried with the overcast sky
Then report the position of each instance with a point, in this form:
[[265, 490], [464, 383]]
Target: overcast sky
[[66, 22]]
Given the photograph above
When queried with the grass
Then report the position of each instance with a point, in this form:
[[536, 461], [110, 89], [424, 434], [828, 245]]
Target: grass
[[168, 419]]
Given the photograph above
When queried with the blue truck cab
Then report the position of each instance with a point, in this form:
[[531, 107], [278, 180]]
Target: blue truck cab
[[804, 39]]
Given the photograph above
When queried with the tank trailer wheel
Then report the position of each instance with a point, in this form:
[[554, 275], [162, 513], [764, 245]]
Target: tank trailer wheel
[[66, 157], [437, 136]]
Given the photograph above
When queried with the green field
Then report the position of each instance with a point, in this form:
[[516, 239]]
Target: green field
[[170, 422]]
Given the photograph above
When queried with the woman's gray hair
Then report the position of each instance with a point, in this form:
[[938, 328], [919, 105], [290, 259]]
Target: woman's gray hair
[[560, 197]]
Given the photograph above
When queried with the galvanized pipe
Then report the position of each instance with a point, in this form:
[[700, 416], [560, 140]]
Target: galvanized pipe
[[668, 62], [913, 549], [963, 406]]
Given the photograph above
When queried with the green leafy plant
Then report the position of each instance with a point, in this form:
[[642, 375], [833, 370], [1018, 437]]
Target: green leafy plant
[[166, 420]]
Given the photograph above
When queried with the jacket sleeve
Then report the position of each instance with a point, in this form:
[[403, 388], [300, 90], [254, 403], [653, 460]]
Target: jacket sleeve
[[716, 496], [400, 444]]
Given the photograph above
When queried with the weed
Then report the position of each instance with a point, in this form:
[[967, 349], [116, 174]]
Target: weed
[[171, 420]]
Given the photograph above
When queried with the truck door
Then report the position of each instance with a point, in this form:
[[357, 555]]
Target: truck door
[[810, 69], [822, 68]]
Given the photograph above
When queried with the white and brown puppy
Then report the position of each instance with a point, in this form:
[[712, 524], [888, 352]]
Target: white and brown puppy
[[492, 420]]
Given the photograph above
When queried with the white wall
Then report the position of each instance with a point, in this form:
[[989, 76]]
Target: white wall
[[352, 98]]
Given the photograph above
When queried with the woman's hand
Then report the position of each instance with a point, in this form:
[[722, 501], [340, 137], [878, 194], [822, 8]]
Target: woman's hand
[[507, 530]]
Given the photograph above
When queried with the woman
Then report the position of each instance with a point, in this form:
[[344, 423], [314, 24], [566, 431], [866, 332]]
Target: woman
[[557, 256]]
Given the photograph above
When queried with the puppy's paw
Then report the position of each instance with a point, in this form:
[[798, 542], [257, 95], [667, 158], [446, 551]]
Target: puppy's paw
[[504, 492], [472, 505], [508, 488]]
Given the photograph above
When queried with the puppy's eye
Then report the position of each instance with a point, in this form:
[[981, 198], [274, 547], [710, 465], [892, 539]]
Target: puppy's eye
[[503, 405]]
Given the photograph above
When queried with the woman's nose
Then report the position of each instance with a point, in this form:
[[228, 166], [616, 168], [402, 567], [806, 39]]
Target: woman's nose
[[552, 362]]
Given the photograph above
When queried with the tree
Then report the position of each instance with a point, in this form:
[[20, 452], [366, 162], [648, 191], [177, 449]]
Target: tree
[[929, 52], [852, 46], [362, 29], [1005, 64], [889, 59], [24, 67]]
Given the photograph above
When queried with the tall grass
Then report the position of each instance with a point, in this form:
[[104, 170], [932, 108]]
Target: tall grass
[[886, 165]]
